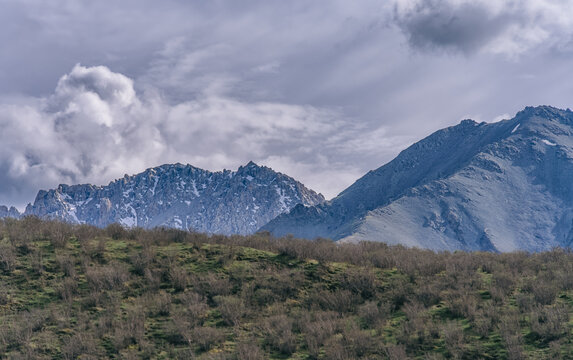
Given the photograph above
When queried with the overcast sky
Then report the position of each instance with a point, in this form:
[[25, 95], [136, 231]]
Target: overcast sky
[[320, 90]]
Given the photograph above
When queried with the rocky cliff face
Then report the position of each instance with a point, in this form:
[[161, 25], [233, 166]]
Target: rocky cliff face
[[475, 186], [9, 212], [180, 196]]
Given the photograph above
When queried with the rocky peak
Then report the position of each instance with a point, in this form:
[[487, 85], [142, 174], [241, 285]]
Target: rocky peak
[[180, 196], [9, 212], [501, 186]]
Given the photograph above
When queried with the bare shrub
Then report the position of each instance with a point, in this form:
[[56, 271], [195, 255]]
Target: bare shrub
[[555, 349], [461, 304], [509, 329], [95, 249], [80, 346], [57, 232], [564, 274], [342, 301], [396, 352], [42, 344], [86, 232], [360, 281], [278, 334], [66, 264], [36, 262], [335, 350], [259, 297], [116, 231], [211, 285], [105, 324], [158, 304], [5, 297], [505, 282], [141, 260], [195, 306], [428, 293], [67, 289], [549, 322], [482, 324], [232, 308], [498, 296], [8, 259], [525, 302], [137, 233], [207, 337], [397, 291], [544, 292], [284, 284], [107, 277], [19, 331], [413, 329], [249, 351], [153, 279], [318, 330], [203, 338], [358, 342], [178, 278], [129, 330], [514, 346], [453, 336], [95, 277], [22, 232], [372, 313], [109, 300]]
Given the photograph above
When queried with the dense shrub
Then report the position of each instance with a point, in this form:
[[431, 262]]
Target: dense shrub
[[76, 291]]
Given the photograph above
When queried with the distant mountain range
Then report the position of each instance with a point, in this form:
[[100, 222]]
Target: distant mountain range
[[179, 196], [502, 186]]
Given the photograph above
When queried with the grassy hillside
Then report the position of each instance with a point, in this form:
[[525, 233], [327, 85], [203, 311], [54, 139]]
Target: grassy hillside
[[71, 292]]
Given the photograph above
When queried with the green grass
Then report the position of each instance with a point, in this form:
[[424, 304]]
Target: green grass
[[164, 294]]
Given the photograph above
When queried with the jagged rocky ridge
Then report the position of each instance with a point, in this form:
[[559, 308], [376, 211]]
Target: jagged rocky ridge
[[476, 186], [180, 196], [9, 212]]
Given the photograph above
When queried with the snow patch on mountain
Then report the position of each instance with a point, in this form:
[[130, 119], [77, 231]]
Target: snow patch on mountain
[[547, 142], [180, 196]]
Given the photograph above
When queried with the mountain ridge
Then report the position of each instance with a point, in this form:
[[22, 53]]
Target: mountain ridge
[[179, 196], [500, 186]]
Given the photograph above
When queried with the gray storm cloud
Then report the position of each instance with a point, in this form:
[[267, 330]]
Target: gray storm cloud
[[505, 27], [438, 23]]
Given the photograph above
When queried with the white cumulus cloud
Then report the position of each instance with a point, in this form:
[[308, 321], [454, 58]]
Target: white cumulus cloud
[[95, 128]]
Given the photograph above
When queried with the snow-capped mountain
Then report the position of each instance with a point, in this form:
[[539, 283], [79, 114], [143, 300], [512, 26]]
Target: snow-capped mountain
[[476, 186], [180, 196]]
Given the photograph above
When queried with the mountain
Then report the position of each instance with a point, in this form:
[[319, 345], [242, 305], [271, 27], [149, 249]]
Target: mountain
[[180, 196], [502, 186], [9, 212]]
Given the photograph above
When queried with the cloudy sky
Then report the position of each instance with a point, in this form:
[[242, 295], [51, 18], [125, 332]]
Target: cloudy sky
[[320, 90]]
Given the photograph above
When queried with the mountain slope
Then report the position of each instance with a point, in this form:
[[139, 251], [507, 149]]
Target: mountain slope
[[180, 196], [500, 187]]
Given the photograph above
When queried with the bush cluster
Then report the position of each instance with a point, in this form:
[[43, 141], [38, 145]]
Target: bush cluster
[[77, 291]]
